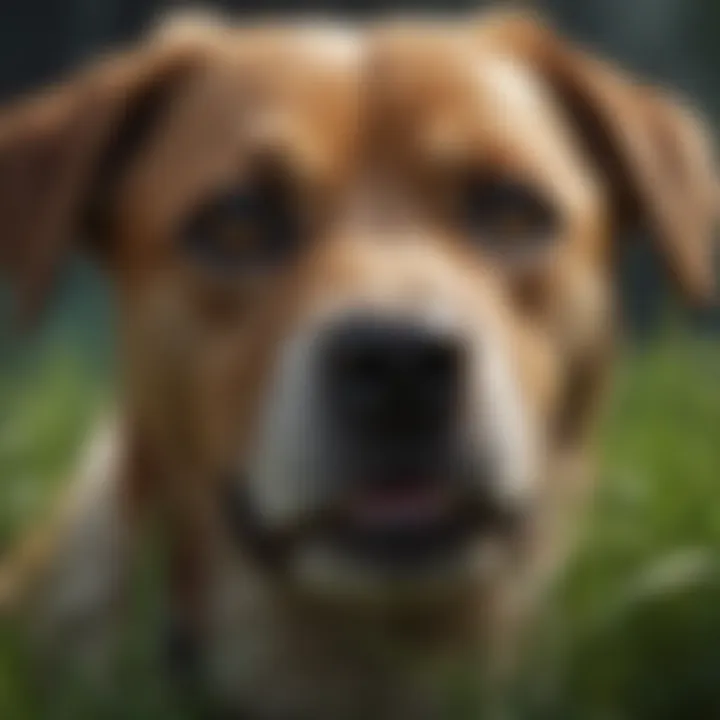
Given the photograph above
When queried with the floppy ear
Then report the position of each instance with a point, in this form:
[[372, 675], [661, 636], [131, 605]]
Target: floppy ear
[[60, 150], [654, 152]]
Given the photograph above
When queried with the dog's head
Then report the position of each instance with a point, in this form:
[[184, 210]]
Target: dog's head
[[364, 276]]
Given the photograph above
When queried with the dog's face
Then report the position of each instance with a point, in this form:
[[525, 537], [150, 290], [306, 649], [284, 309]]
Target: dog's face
[[365, 277]]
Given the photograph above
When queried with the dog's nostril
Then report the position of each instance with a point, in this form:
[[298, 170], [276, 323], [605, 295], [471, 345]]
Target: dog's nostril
[[393, 376]]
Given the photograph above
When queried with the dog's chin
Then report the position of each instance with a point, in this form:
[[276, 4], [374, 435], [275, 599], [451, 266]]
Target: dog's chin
[[327, 571]]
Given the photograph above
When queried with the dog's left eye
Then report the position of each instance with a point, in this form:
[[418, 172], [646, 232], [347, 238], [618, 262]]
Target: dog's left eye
[[252, 227], [506, 216]]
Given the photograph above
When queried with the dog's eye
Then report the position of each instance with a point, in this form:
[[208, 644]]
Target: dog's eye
[[506, 216], [252, 227]]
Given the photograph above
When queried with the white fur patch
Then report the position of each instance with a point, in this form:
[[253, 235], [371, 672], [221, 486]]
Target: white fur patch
[[333, 44], [505, 424], [89, 558], [285, 469]]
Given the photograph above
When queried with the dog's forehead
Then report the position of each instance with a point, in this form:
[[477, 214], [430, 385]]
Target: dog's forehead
[[457, 94], [310, 87], [279, 51], [294, 86], [302, 80]]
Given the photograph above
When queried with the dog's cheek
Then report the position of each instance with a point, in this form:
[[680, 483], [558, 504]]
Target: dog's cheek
[[229, 386], [232, 377], [582, 308], [161, 348]]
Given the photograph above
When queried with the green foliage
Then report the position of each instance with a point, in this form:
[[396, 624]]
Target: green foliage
[[633, 631]]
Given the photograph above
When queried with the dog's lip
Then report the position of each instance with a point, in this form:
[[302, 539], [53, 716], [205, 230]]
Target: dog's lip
[[421, 518], [403, 526], [407, 504]]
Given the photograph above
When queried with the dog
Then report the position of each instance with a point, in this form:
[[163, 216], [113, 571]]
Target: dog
[[365, 283]]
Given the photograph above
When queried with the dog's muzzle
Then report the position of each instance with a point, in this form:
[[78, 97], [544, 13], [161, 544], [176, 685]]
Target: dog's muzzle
[[397, 486]]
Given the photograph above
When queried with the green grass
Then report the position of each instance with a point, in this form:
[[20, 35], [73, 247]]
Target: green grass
[[632, 632]]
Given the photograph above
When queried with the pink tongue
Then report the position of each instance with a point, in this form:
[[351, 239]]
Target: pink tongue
[[403, 506]]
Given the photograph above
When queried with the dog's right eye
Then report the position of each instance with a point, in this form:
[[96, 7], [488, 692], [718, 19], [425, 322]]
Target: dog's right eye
[[248, 229]]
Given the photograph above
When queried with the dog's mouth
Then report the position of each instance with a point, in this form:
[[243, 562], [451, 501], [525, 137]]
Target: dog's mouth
[[402, 527], [407, 525]]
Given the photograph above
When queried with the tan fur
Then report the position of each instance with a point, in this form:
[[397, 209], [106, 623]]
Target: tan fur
[[503, 93]]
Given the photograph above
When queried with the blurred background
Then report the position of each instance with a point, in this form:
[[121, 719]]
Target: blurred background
[[633, 631]]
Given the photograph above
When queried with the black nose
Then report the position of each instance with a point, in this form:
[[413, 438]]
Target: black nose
[[393, 381]]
